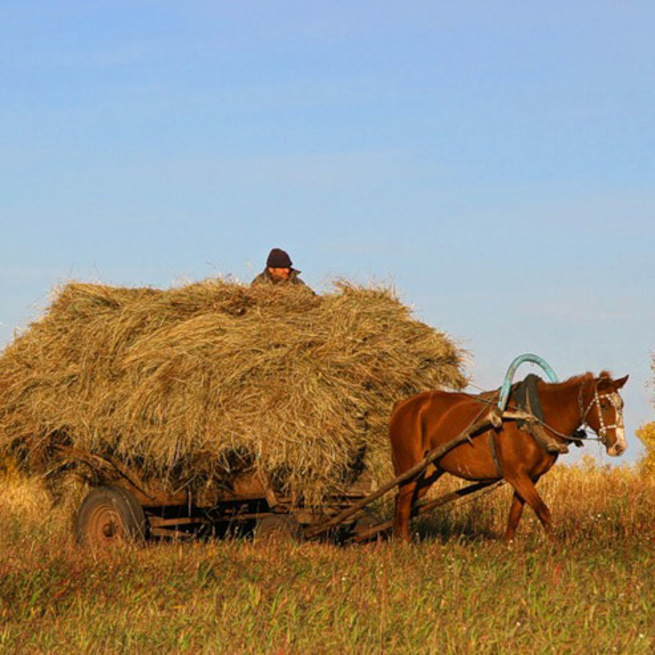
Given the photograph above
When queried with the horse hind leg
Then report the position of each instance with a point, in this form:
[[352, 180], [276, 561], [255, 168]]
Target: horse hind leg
[[524, 487]]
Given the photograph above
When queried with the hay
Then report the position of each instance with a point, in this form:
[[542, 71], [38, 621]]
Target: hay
[[646, 433], [646, 463], [200, 383]]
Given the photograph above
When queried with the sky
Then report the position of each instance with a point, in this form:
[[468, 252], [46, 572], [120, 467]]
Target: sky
[[494, 161]]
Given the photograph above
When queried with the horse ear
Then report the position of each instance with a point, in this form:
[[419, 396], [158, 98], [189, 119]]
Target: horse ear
[[619, 383], [604, 382]]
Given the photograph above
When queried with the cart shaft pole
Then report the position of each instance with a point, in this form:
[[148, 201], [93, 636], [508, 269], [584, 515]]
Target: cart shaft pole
[[479, 423]]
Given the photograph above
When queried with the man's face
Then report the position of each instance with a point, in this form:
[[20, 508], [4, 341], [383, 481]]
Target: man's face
[[281, 274]]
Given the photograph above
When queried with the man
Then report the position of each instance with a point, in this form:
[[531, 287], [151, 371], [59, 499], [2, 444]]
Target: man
[[279, 270]]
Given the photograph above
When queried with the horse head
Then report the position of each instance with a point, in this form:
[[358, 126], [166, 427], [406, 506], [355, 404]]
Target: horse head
[[601, 408]]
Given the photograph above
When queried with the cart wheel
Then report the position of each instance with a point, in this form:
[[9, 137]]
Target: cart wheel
[[109, 516], [278, 526]]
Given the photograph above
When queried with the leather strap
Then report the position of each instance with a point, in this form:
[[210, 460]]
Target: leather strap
[[494, 452]]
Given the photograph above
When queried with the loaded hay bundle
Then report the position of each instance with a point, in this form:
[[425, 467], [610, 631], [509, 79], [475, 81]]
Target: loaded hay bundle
[[198, 384]]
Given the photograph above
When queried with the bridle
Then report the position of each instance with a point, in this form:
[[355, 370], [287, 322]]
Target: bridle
[[613, 398], [579, 436]]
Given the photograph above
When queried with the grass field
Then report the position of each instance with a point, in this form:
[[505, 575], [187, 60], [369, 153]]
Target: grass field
[[457, 589]]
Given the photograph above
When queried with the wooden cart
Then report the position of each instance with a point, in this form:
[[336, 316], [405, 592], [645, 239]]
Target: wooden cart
[[122, 507]]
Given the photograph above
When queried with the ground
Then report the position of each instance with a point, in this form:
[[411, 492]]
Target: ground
[[456, 589]]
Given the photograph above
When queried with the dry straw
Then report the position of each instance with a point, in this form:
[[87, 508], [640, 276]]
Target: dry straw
[[646, 433], [198, 384]]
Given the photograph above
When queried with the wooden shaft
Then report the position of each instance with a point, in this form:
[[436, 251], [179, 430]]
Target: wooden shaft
[[423, 507], [157, 522], [431, 457], [429, 505]]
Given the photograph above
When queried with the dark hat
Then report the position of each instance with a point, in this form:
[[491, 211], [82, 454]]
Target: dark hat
[[277, 258]]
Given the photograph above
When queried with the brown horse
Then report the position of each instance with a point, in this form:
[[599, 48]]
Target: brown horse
[[430, 419]]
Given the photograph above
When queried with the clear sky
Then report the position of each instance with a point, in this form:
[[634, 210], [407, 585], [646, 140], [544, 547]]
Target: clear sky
[[495, 160]]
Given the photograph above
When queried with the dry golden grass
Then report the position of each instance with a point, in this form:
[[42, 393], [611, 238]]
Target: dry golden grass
[[456, 589], [647, 435], [199, 383]]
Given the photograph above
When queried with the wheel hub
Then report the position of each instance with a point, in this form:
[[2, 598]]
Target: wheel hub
[[109, 529]]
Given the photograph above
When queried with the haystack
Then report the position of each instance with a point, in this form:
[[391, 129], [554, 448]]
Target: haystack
[[201, 383]]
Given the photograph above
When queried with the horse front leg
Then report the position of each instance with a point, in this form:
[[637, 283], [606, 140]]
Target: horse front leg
[[403, 510], [525, 489], [409, 494], [515, 512]]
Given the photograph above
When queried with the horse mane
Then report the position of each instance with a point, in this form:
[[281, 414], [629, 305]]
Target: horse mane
[[577, 379], [584, 377]]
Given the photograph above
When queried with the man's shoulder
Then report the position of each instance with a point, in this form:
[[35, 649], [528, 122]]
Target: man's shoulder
[[295, 279], [262, 278]]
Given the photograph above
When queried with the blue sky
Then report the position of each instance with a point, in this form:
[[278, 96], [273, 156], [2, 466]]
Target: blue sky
[[493, 160]]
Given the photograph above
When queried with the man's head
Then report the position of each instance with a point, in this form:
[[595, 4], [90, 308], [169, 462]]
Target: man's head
[[279, 265]]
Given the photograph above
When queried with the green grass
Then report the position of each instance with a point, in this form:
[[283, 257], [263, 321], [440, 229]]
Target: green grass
[[457, 589]]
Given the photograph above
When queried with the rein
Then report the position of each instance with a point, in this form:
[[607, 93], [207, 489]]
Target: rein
[[580, 434]]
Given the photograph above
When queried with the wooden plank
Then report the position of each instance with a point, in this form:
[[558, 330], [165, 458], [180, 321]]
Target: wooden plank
[[249, 484], [435, 454], [158, 522]]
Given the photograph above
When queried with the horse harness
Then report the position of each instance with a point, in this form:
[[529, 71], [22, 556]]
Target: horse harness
[[527, 400]]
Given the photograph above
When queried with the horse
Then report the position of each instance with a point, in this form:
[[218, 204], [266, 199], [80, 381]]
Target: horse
[[430, 419]]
